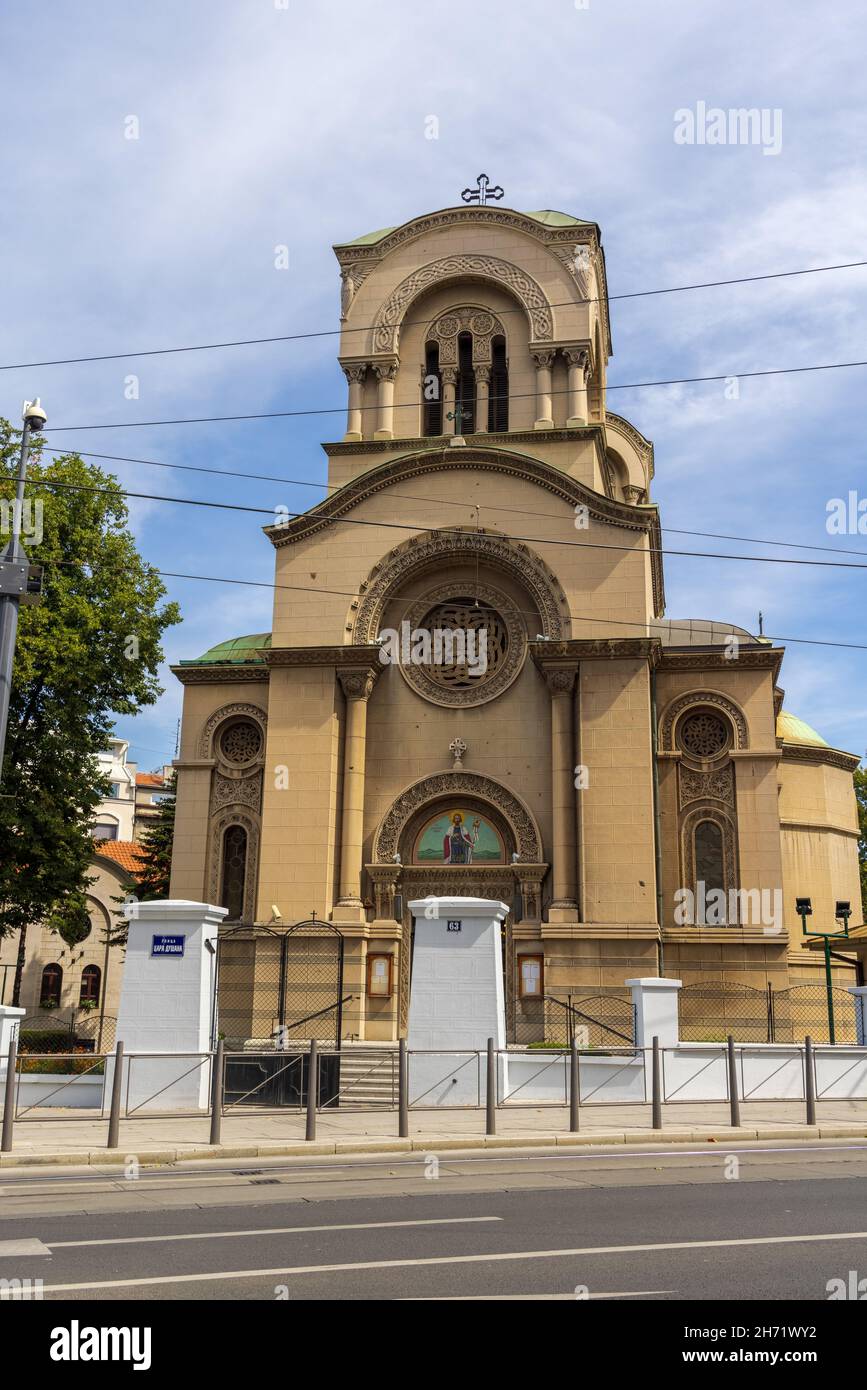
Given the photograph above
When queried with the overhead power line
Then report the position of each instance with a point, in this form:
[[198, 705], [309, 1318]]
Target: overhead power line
[[645, 628], [441, 530], [446, 501], [414, 405], [367, 328]]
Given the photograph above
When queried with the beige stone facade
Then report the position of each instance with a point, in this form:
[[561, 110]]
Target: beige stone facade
[[606, 759]]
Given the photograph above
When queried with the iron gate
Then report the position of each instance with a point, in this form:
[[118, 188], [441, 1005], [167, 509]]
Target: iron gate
[[276, 988], [711, 1009]]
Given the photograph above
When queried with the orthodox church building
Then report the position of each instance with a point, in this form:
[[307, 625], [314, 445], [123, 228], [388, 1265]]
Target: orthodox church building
[[470, 686]]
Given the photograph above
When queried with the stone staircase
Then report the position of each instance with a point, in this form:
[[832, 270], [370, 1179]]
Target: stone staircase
[[368, 1076]]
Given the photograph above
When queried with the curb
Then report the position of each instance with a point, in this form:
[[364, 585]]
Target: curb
[[300, 1148]]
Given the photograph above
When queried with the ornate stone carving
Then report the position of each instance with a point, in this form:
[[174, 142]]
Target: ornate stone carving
[[718, 785], [355, 372], [458, 748], [560, 680], [219, 825], [578, 357], [229, 791], [468, 319], [358, 685], [543, 359], [698, 699], [388, 319], [206, 748], [352, 276], [385, 371], [528, 842], [437, 549], [504, 663]]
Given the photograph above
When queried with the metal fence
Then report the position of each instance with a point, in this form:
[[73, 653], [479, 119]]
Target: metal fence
[[203, 1085], [593, 1017], [711, 1010]]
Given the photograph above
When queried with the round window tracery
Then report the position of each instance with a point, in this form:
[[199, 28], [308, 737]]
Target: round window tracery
[[703, 734], [241, 742], [466, 647]]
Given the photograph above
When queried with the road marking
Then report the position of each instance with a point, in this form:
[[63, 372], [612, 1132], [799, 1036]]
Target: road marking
[[283, 1271], [23, 1247], [273, 1231], [532, 1297]]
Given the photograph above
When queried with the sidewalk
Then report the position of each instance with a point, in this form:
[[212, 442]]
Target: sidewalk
[[255, 1134]]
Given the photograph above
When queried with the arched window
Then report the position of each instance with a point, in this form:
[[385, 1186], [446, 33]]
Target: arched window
[[432, 391], [709, 855], [465, 392], [498, 404], [52, 982], [90, 978], [234, 871]]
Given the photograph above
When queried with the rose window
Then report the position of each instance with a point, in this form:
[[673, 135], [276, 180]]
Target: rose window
[[703, 734], [241, 742], [469, 643]]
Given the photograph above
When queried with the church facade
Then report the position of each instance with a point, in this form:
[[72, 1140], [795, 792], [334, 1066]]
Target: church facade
[[470, 686]]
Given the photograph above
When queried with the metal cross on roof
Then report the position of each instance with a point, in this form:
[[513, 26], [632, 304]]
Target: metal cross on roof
[[482, 192]]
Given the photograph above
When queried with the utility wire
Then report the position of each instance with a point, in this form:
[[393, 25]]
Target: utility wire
[[367, 328], [446, 501], [441, 530], [691, 626], [414, 405]]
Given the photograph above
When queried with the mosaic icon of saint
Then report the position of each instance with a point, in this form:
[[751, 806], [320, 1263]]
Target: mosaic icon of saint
[[458, 844]]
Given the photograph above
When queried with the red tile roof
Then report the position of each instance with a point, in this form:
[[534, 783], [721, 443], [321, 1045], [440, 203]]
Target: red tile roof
[[126, 853], [150, 779]]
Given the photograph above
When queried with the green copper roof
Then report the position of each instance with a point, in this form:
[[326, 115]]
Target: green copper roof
[[791, 729], [548, 217], [236, 651]]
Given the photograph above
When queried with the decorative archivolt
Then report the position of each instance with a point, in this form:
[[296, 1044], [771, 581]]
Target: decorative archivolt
[[438, 549], [481, 323], [234, 711], [219, 825], [387, 327], [528, 841], [689, 824], [695, 699]]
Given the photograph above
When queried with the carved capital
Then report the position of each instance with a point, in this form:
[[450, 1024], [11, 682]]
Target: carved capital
[[449, 375], [560, 680], [543, 360], [578, 357], [385, 371], [356, 373], [482, 373], [358, 684]]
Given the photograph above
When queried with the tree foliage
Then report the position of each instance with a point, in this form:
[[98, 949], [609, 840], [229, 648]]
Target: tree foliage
[[88, 652]]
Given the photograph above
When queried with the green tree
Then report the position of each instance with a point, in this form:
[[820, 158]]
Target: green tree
[[88, 652], [861, 795]]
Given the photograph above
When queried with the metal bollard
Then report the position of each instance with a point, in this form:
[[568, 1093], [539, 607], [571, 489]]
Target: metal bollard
[[809, 1081], [734, 1102], [491, 1099], [9, 1097], [656, 1091], [402, 1091], [116, 1090], [312, 1089], [574, 1087], [217, 1081]]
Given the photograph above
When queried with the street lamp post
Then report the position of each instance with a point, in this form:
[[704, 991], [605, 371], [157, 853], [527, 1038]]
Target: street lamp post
[[19, 581], [843, 911]]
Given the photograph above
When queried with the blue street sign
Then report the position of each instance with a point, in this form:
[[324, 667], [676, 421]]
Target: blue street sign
[[167, 945]]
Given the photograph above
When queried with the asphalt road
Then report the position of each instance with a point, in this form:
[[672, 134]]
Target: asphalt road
[[771, 1222]]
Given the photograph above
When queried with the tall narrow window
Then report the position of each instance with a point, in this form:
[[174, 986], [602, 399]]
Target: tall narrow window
[[465, 394], [234, 872], [498, 405], [89, 985], [432, 391], [52, 981], [709, 861]]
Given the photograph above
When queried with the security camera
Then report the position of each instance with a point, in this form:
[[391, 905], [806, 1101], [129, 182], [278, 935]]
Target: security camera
[[276, 915], [34, 415]]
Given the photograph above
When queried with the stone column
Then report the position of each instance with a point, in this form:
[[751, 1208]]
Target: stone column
[[578, 363], [386, 374], [483, 387], [449, 379], [544, 416], [357, 687], [355, 377], [561, 683]]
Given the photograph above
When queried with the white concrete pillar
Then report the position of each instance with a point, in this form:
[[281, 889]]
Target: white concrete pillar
[[544, 417], [655, 1002], [449, 377], [578, 364], [10, 1019], [483, 390], [167, 1002]]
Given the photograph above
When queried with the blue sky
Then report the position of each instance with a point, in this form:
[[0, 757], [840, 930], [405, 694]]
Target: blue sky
[[261, 126]]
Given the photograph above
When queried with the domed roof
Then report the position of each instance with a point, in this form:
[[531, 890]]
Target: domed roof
[[234, 651], [548, 217], [791, 729]]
